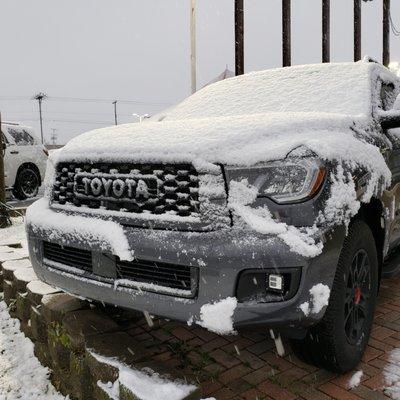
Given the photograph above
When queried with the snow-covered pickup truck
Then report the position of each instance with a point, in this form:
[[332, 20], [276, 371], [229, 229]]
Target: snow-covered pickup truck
[[267, 200]]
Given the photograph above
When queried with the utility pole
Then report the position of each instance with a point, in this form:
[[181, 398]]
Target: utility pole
[[326, 31], [239, 37], [4, 219], [286, 33], [115, 112], [193, 53], [357, 30], [386, 33], [40, 97], [54, 136]]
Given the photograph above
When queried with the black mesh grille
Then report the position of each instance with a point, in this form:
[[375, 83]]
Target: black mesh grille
[[171, 188], [163, 275], [157, 273], [71, 256]]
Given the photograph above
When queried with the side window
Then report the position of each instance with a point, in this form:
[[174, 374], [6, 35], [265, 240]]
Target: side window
[[5, 140], [21, 136], [387, 96]]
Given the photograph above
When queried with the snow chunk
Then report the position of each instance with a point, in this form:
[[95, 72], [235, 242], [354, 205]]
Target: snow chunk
[[305, 307], [319, 299], [355, 380], [22, 376], [146, 384], [391, 373], [218, 317], [342, 203], [260, 220], [108, 234], [111, 389]]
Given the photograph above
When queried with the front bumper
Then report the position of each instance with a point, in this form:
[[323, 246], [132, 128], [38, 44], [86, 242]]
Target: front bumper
[[220, 256]]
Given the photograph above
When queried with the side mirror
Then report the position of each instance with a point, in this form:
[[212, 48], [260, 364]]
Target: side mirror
[[391, 119]]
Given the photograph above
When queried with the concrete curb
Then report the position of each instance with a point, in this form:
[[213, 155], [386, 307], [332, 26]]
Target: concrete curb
[[67, 331]]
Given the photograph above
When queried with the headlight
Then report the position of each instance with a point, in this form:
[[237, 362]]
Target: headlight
[[287, 181]]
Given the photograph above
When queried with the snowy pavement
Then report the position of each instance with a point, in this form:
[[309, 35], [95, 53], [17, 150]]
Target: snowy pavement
[[21, 374]]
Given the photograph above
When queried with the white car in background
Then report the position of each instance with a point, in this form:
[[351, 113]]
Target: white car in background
[[25, 160]]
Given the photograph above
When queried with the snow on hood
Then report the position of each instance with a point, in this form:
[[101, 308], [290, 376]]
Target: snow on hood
[[241, 140]]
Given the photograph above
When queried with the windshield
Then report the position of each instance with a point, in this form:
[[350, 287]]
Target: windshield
[[330, 88]]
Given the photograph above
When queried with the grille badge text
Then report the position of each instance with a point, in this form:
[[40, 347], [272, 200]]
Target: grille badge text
[[116, 186]]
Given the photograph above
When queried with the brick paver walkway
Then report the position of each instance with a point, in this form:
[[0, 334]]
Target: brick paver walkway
[[246, 366]]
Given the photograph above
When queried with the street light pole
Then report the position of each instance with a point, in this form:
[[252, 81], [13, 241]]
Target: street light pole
[[193, 54], [115, 112], [40, 97]]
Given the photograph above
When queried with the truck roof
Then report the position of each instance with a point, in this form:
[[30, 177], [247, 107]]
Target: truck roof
[[339, 88]]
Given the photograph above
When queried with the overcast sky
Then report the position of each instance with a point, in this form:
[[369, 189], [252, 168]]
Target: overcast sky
[[138, 50]]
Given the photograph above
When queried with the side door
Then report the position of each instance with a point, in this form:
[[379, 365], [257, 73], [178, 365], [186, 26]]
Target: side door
[[8, 170], [391, 196], [14, 156]]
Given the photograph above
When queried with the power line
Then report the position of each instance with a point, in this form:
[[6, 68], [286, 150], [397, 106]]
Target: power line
[[96, 100], [73, 121], [86, 100], [103, 114]]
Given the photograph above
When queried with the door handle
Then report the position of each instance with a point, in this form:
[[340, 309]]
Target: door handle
[[14, 152]]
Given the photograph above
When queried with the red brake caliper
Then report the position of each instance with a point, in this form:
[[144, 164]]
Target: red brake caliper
[[357, 296]]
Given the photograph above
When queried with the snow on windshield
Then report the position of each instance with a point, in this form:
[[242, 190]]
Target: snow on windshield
[[330, 88]]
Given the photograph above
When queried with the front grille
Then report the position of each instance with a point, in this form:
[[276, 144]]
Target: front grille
[[70, 256], [131, 188], [158, 273], [148, 275]]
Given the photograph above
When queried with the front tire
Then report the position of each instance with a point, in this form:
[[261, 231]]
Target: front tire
[[27, 184], [338, 341]]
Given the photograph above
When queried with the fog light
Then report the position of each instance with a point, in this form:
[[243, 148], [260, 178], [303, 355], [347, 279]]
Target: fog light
[[275, 282]]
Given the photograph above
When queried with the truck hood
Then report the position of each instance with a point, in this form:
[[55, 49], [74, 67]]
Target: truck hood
[[243, 140]]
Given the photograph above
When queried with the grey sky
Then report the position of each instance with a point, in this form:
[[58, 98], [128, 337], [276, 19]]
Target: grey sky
[[139, 50]]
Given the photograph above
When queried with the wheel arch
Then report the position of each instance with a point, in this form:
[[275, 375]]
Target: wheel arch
[[372, 213]]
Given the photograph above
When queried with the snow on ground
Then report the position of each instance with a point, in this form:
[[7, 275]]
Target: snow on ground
[[391, 373], [355, 380], [21, 374], [218, 317], [14, 234], [145, 384]]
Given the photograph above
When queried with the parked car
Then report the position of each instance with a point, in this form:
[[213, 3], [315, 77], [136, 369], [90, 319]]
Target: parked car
[[25, 160], [269, 200]]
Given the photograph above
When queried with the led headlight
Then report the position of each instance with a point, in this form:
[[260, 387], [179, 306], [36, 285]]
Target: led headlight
[[286, 181]]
